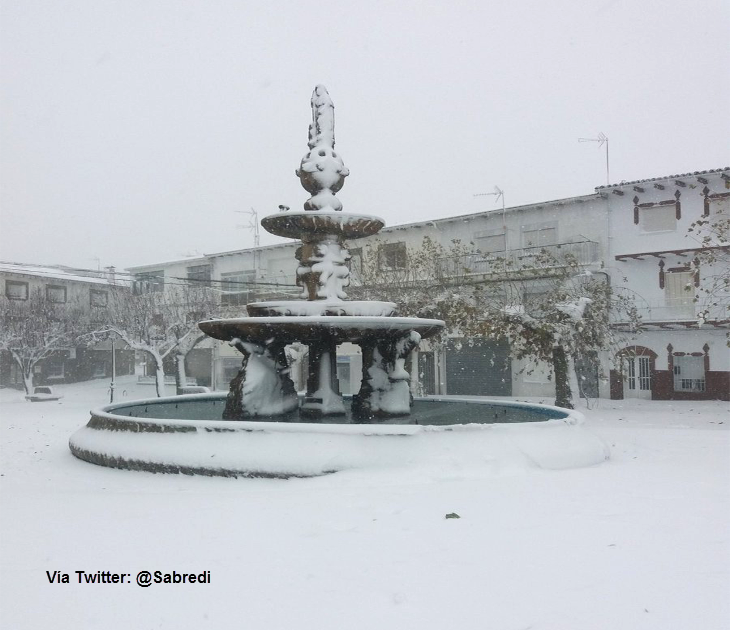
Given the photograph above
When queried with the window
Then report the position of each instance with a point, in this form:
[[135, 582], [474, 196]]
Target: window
[[355, 263], [679, 289], [689, 373], [659, 218], [237, 287], [15, 290], [490, 243], [229, 369], [149, 282], [392, 256], [54, 367], [99, 298], [200, 274], [99, 369], [536, 297], [540, 237], [56, 294], [343, 375], [538, 372]]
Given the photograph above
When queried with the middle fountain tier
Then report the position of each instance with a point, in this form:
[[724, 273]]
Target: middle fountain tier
[[323, 317]]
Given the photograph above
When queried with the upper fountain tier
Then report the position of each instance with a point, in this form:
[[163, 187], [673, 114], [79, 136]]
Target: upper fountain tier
[[322, 173]]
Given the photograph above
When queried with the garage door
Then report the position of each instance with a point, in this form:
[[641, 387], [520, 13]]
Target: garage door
[[482, 369]]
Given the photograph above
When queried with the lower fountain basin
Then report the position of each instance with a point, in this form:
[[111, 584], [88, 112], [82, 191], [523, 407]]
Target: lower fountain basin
[[184, 434], [290, 329]]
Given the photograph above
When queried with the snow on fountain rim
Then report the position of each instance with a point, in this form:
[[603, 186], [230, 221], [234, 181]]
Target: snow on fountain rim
[[572, 417], [283, 449], [344, 321], [308, 308]]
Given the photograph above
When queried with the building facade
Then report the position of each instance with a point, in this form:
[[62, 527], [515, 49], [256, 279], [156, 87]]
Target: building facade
[[87, 290], [637, 231], [681, 352]]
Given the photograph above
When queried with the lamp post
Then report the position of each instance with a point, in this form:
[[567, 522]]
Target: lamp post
[[114, 371]]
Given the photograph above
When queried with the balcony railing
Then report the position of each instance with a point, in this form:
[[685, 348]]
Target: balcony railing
[[542, 257], [660, 311]]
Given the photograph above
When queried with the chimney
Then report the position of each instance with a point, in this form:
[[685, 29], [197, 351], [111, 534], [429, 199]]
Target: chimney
[[111, 274]]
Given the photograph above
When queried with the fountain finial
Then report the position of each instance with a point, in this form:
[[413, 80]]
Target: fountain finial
[[322, 129], [322, 171]]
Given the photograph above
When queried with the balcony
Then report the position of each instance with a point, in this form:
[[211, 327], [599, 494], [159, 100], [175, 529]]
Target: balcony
[[542, 258], [660, 313]]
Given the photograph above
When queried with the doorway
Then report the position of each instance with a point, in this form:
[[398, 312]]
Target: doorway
[[637, 377]]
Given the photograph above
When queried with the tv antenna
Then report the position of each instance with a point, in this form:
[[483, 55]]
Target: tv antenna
[[497, 194], [252, 225], [601, 139]]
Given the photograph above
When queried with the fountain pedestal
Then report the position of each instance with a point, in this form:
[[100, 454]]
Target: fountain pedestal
[[323, 396]]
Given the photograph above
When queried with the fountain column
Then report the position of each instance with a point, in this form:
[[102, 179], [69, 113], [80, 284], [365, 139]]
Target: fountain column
[[323, 396]]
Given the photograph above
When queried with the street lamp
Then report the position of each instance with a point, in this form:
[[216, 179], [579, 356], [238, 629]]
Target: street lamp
[[114, 371]]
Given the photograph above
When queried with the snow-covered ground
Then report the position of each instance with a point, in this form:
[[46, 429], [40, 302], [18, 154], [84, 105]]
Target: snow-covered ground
[[638, 542]]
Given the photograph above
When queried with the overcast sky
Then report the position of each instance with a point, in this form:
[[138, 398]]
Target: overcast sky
[[133, 131]]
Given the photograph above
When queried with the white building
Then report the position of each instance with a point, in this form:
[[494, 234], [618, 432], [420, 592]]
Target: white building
[[89, 290], [682, 351], [600, 230]]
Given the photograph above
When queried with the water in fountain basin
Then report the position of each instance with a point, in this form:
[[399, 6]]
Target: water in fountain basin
[[424, 412]]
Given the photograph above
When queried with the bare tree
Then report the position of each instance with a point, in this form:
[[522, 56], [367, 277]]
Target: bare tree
[[35, 328], [161, 324]]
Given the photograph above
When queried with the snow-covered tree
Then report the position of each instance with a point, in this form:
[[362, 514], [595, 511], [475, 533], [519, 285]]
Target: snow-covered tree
[[548, 307], [424, 281], [557, 318], [35, 328], [161, 324], [712, 235]]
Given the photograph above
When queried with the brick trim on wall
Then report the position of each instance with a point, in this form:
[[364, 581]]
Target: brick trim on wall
[[717, 384], [666, 202]]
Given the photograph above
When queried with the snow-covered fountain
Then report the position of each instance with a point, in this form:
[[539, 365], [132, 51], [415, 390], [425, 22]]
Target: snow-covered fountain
[[263, 427]]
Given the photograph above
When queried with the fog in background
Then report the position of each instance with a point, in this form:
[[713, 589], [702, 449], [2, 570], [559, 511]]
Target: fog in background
[[133, 132]]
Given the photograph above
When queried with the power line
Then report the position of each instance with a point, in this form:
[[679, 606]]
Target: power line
[[78, 275]]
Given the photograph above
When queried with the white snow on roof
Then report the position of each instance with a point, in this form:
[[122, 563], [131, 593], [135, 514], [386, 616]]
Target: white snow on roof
[[56, 273]]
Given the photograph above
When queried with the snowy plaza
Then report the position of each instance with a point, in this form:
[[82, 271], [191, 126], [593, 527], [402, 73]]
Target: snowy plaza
[[639, 541], [449, 364]]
